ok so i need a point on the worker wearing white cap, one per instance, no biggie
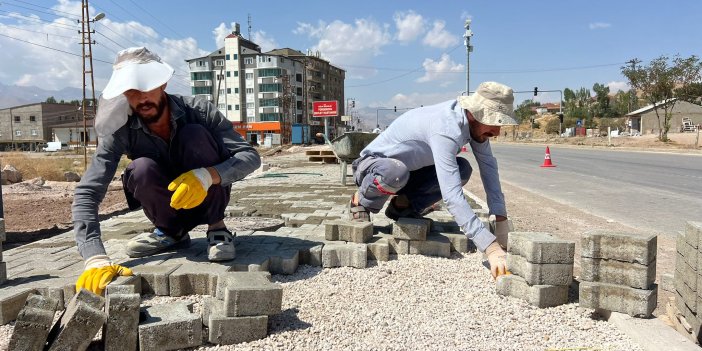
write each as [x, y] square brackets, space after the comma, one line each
[415, 162]
[185, 156]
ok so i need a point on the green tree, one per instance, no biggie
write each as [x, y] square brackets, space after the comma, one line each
[692, 93]
[51, 100]
[601, 106]
[524, 111]
[657, 81]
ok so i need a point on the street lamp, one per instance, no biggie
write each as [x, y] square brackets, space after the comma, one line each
[469, 49]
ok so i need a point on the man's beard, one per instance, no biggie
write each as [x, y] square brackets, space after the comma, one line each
[159, 111]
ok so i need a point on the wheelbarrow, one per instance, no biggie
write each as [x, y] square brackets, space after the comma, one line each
[348, 147]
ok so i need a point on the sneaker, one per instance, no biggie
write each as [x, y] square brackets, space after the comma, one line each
[220, 245]
[395, 213]
[147, 244]
[357, 213]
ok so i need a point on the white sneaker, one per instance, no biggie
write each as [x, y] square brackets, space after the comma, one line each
[221, 245]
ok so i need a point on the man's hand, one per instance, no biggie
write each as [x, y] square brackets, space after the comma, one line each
[497, 259]
[501, 230]
[99, 271]
[190, 188]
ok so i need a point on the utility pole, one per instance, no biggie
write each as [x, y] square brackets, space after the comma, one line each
[633, 62]
[87, 70]
[469, 49]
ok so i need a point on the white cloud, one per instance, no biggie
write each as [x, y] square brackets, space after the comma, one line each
[438, 37]
[353, 44]
[51, 69]
[263, 40]
[409, 26]
[614, 87]
[599, 25]
[443, 70]
[220, 32]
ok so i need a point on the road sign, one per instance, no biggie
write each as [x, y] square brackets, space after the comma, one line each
[579, 123]
[325, 109]
[346, 118]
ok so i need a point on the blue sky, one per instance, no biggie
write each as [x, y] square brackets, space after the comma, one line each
[396, 53]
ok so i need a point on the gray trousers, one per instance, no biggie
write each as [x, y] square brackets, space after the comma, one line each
[378, 178]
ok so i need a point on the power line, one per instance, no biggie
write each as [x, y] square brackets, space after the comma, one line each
[40, 20]
[156, 18]
[44, 12]
[48, 8]
[35, 31]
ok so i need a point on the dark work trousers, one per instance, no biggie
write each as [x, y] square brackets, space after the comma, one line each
[379, 178]
[146, 182]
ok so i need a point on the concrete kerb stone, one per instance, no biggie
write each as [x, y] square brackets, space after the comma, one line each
[628, 247]
[617, 272]
[169, 327]
[538, 295]
[33, 324]
[82, 319]
[120, 332]
[540, 273]
[538, 247]
[618, 298]
[249, 294]
[223, 330]
[411, 229]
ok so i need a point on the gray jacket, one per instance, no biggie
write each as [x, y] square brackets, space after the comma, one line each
[135, 140]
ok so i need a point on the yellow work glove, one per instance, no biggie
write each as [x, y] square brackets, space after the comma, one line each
[190, 188]
[99, 271]
[497, 259]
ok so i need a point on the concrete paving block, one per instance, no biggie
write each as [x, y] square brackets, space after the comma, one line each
[628, 247]
[355, 232]
[193, 278]
[667, 282]
[434, 246]
[312, 256]
[617, 272]
[11, 301]
[284, 261]
[225, 330]
[33, 324]
[344, 255]
[686, 250]
[80, 322]
[411, 229]
[154, 279]
[539, 247]
[459, 242]
[693, 233]
[249, 294]
[378, 249]
[250, 262]
[3, 271]
[688, 294]
[538, 295]
[396, 246]
[685, 273]
[125, 285]
[170, 326]
[331, 230]
[121, 330]
[540, 273]
[3, 236]
[618, 298]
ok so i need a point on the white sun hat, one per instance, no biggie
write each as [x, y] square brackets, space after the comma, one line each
[137, 68]
[492, 104]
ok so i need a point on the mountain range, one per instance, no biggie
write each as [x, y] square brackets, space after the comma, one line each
[13, 95]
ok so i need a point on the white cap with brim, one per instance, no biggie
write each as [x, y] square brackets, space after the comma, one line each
[137, 68]
[492, 104]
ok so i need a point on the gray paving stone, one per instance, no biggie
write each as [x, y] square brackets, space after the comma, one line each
[411, 229]
[194, 278]
[434, 246]
[688, 293]
[170, 326]
[540, 273]
[154, 279]
[617, 272]
[11, 301]
[3, 236]
[80, 322]
[539, 247]
[344, 255]
[311, 256]
[378, 249]
[538, 295]
[249, 294]
[355, 232]
[125, 285]
[686, 250]
[249, 262]
[693, 233]
[284, 261]
[225, 330]
[618, 298]
[685, 273]
[459, 242]
[33, 324]
[628, 247]
[121, 329]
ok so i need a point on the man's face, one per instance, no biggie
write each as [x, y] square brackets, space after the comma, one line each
[481, 132]
[149, 105]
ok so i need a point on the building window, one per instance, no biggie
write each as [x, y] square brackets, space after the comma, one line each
[229, 107]
[298, 77]
[249, 75]
[229, 74]
[17, 119]
[236, 90]
[236, 57]
[201, 63]
[229, 90]
[34, 132]
[249, 90]
[221, 106]
[32, 118]
[250, 105]
[219, 62]
[18, 133]
[201, 75]
[236, 73]
[236, 107]
[220, 76]
[270, 72]
[226, 56]
[251, 119]
[269, 88]
[248, 60]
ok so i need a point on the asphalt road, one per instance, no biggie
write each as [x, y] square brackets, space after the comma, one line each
[656, 192]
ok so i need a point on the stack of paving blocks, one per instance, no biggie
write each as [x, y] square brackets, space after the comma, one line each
[347, 246]
[3, 265]
[618, 271]
[687, 280]
[541, 266]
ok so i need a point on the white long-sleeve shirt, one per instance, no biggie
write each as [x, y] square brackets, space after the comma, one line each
[434, 135]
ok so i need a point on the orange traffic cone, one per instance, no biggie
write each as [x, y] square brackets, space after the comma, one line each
[547, 159]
